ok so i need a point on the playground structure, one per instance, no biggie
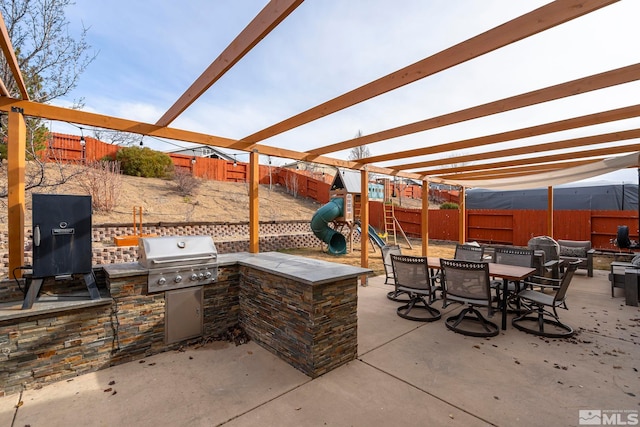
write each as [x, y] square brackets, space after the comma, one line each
[343, 210]
[132, 240]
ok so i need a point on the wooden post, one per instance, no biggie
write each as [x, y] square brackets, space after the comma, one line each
[17, 137]
[425, 218]
[364, 219]
[254, 223]
[550, 212]
[462, 233]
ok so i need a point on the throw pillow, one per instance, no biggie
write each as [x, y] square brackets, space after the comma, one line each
[573, 252]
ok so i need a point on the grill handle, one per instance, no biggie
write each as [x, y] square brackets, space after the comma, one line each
[36, 235]
[155, 261]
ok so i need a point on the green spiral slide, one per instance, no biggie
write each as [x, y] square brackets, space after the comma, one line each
[320, 226]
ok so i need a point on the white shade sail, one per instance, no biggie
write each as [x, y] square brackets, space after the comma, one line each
[550, 179]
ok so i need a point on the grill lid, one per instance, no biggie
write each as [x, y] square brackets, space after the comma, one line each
[169, 251]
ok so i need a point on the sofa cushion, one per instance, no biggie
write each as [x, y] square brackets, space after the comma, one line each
[572, 251]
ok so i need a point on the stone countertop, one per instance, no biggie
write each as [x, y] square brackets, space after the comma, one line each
[47, 304]
[305, 270]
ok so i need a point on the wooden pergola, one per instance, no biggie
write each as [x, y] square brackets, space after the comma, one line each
[532, 158]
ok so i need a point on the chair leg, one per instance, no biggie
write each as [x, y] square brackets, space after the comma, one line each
[399, 296]
[422, 310]
[560, 330]
[489, 329]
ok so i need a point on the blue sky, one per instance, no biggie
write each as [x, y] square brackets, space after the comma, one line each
[150, 51]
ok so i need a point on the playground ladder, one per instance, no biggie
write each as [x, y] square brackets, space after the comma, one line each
[389, 223]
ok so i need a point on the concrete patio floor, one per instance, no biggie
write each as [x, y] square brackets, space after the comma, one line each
[407, 373]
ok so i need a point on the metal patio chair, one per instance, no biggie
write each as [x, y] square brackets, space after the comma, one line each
[511, 256]
[387, 251]
[468, 283]
[468, 252]
[412, 277]
[541, 308]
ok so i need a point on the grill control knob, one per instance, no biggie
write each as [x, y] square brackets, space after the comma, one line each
[162, 281]
[178, 279]
[207, 275]
[200, 276]
[194, 277]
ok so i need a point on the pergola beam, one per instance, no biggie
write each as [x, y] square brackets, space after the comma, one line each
[536, 21]
[268, 18]
[543, 159]
[574, 87]
[107, 122]
[12, 61]
[515, 171]
[528, 149]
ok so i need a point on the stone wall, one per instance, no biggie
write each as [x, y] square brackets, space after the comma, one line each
[313, 328]
[128, 326]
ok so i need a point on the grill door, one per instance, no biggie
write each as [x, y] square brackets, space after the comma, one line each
[183, 314]
[61, 235]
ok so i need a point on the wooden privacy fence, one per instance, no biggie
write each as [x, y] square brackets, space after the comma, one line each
[513, 227]
[69, 149]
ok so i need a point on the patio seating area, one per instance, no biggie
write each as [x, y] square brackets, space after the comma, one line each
[406, 373]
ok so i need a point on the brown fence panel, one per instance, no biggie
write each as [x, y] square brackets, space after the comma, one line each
[490, 226]
[604, 227]
[236, 172]
[318, 190]
[409, 220]
[443, 224]
[571, 225]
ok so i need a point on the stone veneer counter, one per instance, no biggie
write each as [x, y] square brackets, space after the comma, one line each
[302, 310]
[305, 270]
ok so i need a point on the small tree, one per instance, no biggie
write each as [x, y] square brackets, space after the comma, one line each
[359, 152]
[292, 183]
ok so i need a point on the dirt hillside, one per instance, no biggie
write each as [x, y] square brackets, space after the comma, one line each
[162, 201]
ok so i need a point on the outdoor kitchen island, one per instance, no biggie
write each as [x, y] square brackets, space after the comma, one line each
[302, 310]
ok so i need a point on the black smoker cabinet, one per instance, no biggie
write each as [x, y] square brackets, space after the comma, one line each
[61, 229]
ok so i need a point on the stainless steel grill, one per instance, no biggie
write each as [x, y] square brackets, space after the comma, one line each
[176, 262]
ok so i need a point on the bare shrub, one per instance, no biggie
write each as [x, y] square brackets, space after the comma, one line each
[292, 183]
[186, 183]
[103, 182]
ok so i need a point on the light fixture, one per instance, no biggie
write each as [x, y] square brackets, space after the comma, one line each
[235, 161]
[82, 141]
[142, 141]
[193, 161]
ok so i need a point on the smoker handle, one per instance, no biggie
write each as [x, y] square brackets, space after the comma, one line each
[155, 261]
[36, 235]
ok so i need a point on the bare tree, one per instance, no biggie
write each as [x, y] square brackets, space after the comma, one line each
[50, 59]
[292, 183]
[116, 137]
[103, 182]
[359, 152]
[186, 183]
[51, 62]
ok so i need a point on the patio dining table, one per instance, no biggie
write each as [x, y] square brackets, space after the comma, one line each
[504, 271]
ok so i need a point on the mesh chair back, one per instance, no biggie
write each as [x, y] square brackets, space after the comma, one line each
[387, 250]
[469, 252]
[466, 280]
[566, 280]
[514, 256]
[546, 244]
[411, 272]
